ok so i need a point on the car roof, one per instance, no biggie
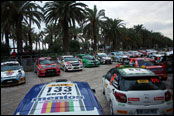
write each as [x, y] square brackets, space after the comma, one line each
[42, 58]
[134, 72]
[10, 62]
[101, 53]
[142, 59]
[67, 56]
[48, 98]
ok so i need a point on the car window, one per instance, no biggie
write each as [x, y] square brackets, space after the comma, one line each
[47, 61]
[9, 66]
[109, 74]
[146, 63]
[141, 83]
[70, 59]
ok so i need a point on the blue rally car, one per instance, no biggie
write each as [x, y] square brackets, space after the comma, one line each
[60, 98]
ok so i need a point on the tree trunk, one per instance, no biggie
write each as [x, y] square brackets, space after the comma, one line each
[7, 41]
[29, 36]
[19, 35]
[95, 39]
[65, 38]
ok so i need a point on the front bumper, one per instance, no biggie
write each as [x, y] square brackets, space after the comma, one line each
[12, 81]
[124, 109]
[73, 68]
[92, 64]
[49, 72]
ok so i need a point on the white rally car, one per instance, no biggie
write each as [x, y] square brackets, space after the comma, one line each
[60, 98]
[70, 63]
[136, 91]
[12, 73]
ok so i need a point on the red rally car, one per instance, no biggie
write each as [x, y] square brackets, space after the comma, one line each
[150, 64]
[46, 66]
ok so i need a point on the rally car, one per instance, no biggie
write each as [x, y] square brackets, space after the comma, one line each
[12, 73]
[103, 58]
[150, 64]
[136, 91]
[70, 63]
[90, 61]
[60, 98]
[46, 66]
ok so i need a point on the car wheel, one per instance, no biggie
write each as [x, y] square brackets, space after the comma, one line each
[111, 108]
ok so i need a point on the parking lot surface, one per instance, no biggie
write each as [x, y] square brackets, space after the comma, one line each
[12, 96]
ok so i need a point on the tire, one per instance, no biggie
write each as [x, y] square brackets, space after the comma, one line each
[111, 108]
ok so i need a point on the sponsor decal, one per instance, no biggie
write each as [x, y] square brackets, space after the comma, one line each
[58, 107]
[57, 98]
[52, 85]
[122, 111]
[159, 98]
[133, 99]
[121, 104]
[155, 80]
[10, 72]
[113, 78]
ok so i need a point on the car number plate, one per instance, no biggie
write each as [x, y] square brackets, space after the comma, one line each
[76, 67]
[9, 81]
[146, 111]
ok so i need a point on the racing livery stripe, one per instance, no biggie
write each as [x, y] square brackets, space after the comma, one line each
[44, 108]
[57, 107]
[35, 104]
[80, 101]
[48, 110]
[33, 109]
[71, 106]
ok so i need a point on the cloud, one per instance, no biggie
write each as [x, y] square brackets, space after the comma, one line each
[154, 15]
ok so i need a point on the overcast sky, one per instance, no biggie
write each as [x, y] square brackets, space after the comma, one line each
[156, 16]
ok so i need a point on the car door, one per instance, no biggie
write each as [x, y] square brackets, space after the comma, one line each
[107, 84]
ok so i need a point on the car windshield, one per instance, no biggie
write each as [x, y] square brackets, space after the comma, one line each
[102, 55]
[46, 61]
[146, 63]
[89, 57]
[7, 67]
[66, 59]
[141, 83]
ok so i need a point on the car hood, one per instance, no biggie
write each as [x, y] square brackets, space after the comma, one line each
[57, 98]
[10, 73]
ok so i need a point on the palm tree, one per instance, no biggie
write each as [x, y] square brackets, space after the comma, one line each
[18, 11]
[111, 29]
[7, 22]
[66, 13]
[33, 16]
[93, 20]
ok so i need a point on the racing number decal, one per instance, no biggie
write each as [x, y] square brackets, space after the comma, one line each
[59, 89]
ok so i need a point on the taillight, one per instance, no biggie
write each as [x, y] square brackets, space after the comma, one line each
[167, 96]
[121, 97]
